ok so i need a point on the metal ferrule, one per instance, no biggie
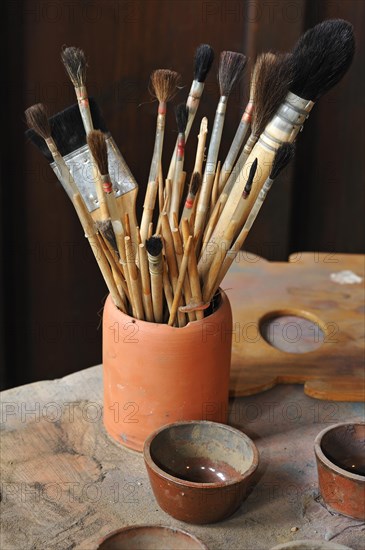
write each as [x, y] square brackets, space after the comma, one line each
[216, 135]
[287, 122]
[195, 94]
[80, 165]
[155, 264]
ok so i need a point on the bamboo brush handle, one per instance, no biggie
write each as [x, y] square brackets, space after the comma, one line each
[210, 284]
[84, 107]
[135, 287]
[233, 151]
[179, 251]
[193, 271]
[192, 103]
[146, 283]
[180, 281]
[90, 233]
[200, 151]
[171, 259]
[148, 208]
[283, 127]
[155, 266]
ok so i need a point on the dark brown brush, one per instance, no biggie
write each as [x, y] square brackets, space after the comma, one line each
[164, 84]
[154, 245]
[272, 74]
[282, 158]
[36, 117]
[247, 189]
[97, 145]
[181, 114]
[231, 65]
[75, 64]
[105, 227]
[195, 183]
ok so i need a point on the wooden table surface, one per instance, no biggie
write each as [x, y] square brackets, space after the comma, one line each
[65, 484]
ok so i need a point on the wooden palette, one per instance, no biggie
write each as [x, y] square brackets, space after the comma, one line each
[259, 289]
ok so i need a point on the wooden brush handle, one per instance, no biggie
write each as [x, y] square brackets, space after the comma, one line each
[135, 286]
[148, 208]
[233, 152]
[146, 283]
[180, 281]
[193, 271]
[179, 252]
[155, 265]
[283, 127]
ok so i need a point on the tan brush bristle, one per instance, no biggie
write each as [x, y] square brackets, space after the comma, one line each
[97, 145]
[75, 64]
[36, 117]
[164, 84]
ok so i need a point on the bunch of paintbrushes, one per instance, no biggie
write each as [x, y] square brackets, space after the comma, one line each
[168, 268]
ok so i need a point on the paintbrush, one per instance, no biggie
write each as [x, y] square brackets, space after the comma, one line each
[69, 135]
[181, 114]
[241, 132]
[194, 187]
[180, 282]
[210, 281]
[319, 60]
[163, 86]
[230, 71]
[75, 64]
[203, 60]
[283, 156]
[155, 264]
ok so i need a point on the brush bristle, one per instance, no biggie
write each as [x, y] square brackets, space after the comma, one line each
[321, 57]
[195, 184]
[164, 84]
[154, 245]
[37, 120]
[105, 227]
[283, 156]
[68, 130]
[203, 60]
[251, 175]
[99, 151]
[181, 113]
[273, 75]
[231, 65]
[75, 64]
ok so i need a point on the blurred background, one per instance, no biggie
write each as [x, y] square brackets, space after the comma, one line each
[52, 291]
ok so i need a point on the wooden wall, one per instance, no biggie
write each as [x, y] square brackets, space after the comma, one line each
[53, 292]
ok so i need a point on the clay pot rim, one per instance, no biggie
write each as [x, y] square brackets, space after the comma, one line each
[194, 484]
[328, 463]
[149, 526]
[189, 324]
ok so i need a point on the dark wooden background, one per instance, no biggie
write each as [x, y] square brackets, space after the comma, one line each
[52, 291]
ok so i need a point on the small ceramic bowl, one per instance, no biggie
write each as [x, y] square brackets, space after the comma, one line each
[340, 455]
[200, 471]
[150, 537]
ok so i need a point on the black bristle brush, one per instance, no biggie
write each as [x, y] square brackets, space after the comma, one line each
[194, 187]
[319, 60]
[155, 263]
[203, 60]
[231, 68]
[181, 113]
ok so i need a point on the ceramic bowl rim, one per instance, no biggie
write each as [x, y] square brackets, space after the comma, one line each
[194, 484]
[328, 463]
[149, 526]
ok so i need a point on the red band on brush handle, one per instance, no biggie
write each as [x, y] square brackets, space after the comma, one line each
[189, 202]
[247, 115]
[180, 148]
[107, 187]
[162, 108]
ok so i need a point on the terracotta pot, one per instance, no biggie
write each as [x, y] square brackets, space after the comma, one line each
[155, 374]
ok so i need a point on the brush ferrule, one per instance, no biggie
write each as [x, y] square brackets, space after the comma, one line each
[162, 107]
[155, 264]
[222, 105]
[247, 115]
[287, 121]
[180, 147]
[52, 147]
[265, 189]
[195, 94]
[81, 94]
[160, 125]
[107, 184]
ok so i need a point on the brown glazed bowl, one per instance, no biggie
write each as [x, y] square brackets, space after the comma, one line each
[200, 471]
[150, 537]
[340, 455]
